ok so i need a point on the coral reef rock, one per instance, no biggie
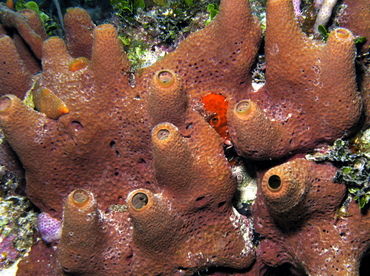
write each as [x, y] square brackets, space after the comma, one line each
[138, 166]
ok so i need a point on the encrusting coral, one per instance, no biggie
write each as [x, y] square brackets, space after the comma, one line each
[134, 164]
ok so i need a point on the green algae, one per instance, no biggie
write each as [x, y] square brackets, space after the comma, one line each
[49, 24]
[213, 11]
[353, 159]
[149, 33]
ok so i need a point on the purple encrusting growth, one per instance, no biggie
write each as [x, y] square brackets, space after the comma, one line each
[297, 7]
[50, 228]
[8, 253]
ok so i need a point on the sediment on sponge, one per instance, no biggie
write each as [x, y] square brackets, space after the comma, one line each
[167, 99]
[247, 121]
[81, 216]
[148, 235]
[285, 188]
